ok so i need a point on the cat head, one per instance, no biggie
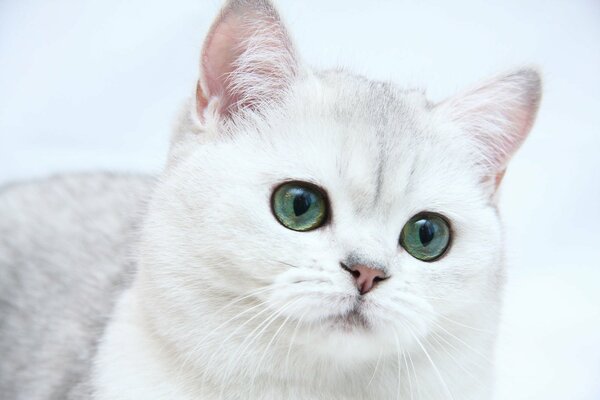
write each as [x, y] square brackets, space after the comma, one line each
[360, 213]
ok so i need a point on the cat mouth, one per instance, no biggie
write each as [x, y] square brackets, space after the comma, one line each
[350, 321]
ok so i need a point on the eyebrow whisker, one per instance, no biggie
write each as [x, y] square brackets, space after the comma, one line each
[288, 264]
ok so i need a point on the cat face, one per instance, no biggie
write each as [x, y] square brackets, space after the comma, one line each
[356, 161]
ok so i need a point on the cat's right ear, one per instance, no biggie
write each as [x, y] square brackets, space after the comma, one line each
[496, 116]
[247, 60]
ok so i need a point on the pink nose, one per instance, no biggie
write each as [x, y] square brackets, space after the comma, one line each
[365, 277]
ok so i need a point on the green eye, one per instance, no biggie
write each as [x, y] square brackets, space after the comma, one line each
[299, 206]
[426, 236]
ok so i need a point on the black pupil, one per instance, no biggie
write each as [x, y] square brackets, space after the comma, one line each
[302, 202]
[426, 232]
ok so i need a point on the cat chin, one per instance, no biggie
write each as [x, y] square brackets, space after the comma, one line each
[355, 338]
[345, 340]
[354, 321]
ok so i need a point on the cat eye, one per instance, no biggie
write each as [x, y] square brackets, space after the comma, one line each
[426, 236]
[299, 206]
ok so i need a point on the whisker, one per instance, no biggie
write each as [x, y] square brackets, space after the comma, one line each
[288, 264]
[399, 375]
[287, 357]
[202, 343]
[412, 364]
[435, 368]
[231, 335]
[440, 337]
[465, 326]
[269, 345]
[207, 336]
[463, 342]
[471, 374]
[408, 374]
[253, 335]
[449, 355]
[445, 299]
[376, 367]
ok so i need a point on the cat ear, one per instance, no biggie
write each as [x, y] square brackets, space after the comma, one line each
[497, 115]
[247, 59]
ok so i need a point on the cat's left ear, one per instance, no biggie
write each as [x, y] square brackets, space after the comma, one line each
[497, 116]
[248, 60]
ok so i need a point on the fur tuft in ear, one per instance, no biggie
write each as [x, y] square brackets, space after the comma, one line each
[247, 59]
[498, 115]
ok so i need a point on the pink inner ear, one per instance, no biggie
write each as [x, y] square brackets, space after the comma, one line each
[247, 59]
[499, 178]
[512, 117]
[220, 52]
[497, 116]
[201, 101]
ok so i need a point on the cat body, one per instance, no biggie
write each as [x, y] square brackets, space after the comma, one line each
[65, 256]
[231, 297]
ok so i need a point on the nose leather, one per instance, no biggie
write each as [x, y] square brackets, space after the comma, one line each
[365, 277]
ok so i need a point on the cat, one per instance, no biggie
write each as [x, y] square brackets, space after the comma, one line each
[314, 235]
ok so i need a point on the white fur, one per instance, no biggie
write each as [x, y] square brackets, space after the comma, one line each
[229, 304]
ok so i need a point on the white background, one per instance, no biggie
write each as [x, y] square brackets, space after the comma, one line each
[87, 85]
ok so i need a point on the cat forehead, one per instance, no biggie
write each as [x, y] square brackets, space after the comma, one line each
[343, 112]
[350, 99]
[352, 119]
[368, 138]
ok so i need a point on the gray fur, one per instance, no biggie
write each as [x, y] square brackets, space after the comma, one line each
[64, 246]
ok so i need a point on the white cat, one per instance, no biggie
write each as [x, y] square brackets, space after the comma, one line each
[315, 235]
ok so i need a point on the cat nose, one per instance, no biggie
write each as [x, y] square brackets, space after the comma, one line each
[365, 277]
